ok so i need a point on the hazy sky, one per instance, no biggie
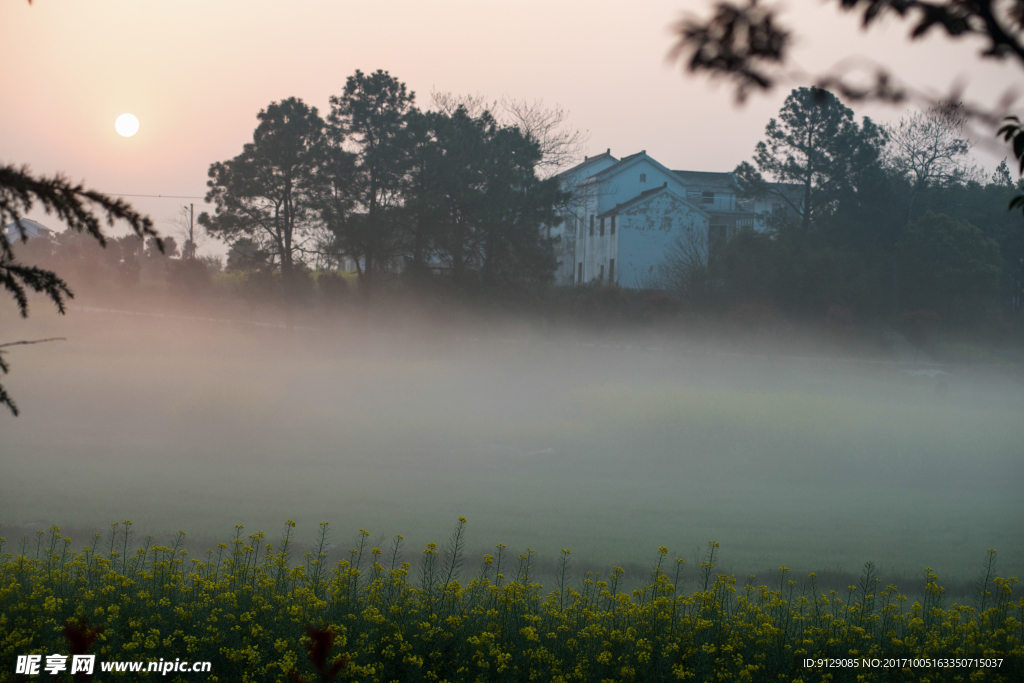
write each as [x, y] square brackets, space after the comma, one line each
[196, 73]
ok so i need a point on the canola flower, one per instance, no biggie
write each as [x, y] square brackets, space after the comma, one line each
[248, 608]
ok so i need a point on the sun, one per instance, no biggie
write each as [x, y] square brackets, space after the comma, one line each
[126, 125]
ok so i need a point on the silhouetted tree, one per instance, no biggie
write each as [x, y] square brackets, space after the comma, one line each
[81, 210]
[1001, 176]
[424, 210]
[371, 114]
[815, 144]
[493, 203]
[949, 266]
[746, 43]
[246, 256]
[267, 193]
[560, 144]
[928, 149]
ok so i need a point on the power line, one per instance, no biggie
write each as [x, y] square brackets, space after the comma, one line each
[160, 196]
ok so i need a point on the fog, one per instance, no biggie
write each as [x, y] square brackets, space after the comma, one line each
[608, 443]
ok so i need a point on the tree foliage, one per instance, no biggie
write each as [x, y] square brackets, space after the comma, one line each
[492, 202]
[392, 189]
[747, 44]
[949, 266]
[816, 145]
[372, 115]
[266, 194]
[83, 211]
[861, 257]
[928, 149]
[560, 144]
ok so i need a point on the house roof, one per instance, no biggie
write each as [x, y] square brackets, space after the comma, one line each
[586, 162]
[623, 162]
[792, 192]
[632, 159]
[794, 189]
[32, 229]
[649, 194]
[708, 179]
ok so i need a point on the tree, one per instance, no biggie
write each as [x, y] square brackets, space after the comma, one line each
[745, 43]
[984, 207]
[423, 214]
[461, 141]
[81, 210]
[687, 269]
[560, 145]
[1001, 176]
[268, 192]
[335, 198]
[949, 266]
[928, 149]
[817, 145]
[371, 114]
[246, 256]
[491, 202]
[517, 204]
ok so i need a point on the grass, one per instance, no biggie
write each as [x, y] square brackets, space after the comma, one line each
[252, 609]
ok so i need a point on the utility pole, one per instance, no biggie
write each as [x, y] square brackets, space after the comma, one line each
[191, 236]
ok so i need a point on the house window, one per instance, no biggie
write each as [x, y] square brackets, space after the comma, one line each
[643, 177]
[601, 276]
[579, 279]
[602, 227]
[614, 221]
[591, 225]
[611, 271]
[707, 197]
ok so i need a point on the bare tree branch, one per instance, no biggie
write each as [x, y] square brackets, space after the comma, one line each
[747, 45]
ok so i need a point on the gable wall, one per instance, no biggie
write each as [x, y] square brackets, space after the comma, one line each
[584, 204]
[625, 184]
[645, 234]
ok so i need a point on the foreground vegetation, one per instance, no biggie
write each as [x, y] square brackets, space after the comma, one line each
[248, 608]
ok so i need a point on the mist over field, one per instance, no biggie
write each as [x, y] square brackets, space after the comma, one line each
[606, 443]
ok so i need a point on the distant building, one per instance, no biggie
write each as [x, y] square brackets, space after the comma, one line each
[624, 214]
[32, 230]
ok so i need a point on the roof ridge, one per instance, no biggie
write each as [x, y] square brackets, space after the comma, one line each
[646, 193]
[588, 160]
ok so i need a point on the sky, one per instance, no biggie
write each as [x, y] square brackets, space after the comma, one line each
[196, 73]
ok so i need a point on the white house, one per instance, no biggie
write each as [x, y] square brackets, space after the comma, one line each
[624, 214]
[32, 230]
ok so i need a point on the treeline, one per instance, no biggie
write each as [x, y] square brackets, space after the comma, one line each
[381, 187]
[123, 264]
[868, 223]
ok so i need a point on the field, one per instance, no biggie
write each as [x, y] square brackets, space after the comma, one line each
[610, 446]
[247, 611]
